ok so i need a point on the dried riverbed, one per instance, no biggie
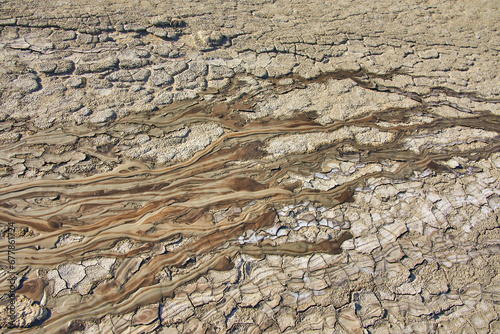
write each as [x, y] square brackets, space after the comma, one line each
[250, 168]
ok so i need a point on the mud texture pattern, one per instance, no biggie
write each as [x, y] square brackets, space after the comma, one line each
[250, 166]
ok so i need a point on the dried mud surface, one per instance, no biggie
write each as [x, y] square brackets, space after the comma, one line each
[250, 166]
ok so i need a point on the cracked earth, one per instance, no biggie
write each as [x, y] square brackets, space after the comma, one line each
[250, 166]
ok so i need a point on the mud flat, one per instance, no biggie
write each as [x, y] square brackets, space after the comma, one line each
[249, 167]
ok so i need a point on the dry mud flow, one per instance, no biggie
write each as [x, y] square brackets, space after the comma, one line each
[250, 166]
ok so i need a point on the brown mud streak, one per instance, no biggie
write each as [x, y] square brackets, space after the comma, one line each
[297, 248]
